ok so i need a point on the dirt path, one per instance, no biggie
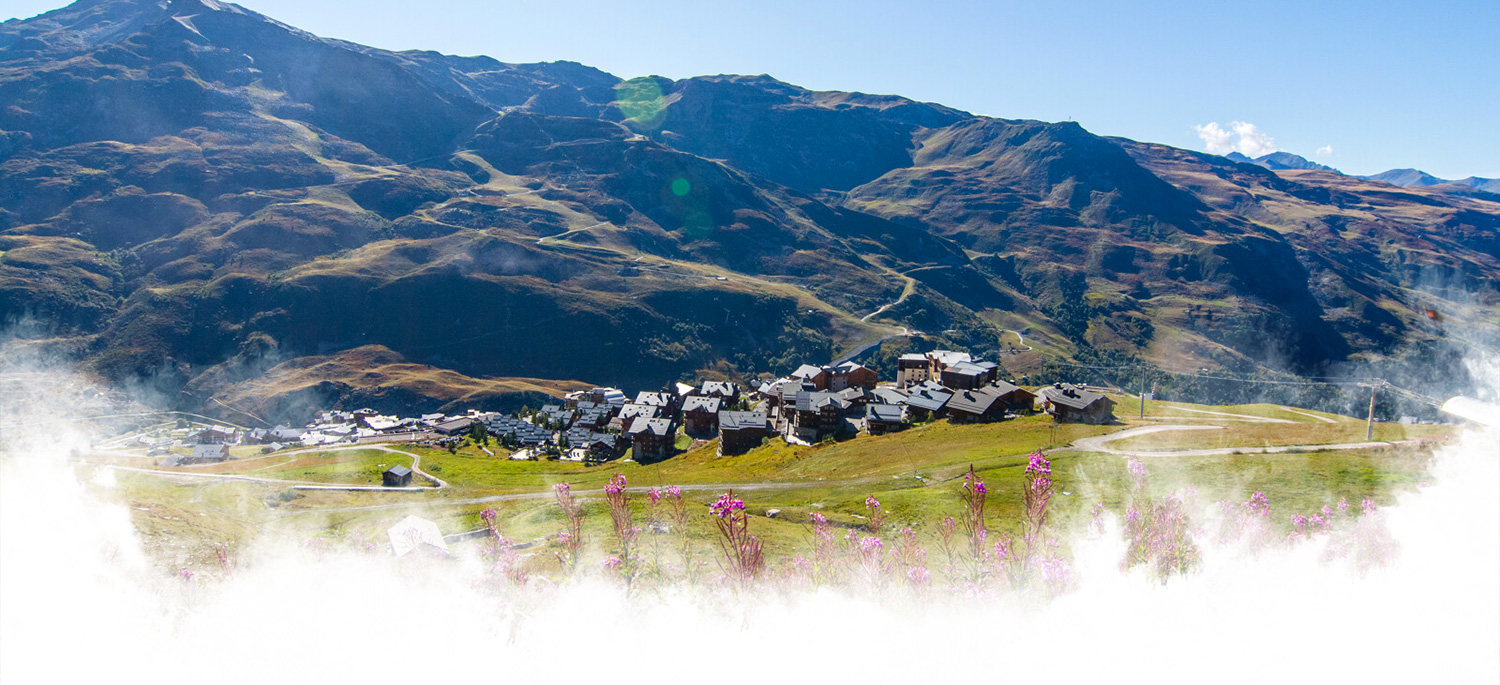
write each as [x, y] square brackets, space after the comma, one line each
[416, 467]
[1098, 444]
[1233, 417]
[1324, 419]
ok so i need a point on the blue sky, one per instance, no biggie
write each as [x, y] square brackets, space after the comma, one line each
[1372, 85]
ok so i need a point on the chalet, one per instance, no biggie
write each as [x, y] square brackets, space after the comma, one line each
[818, 415]
[1072, 404]
[857, 397]
[741, 431]
[700, 415]
[817, 375]
[256, 436]
[667, 403]
[287, 434]
[603, 447]
[912, 369]
[887, 395]
[213, 435]
[983, 404]
[557, 415]
[968, 375]
[724, 390]
[851, 375]
[927, 401]
[652, 439]
[883, 418]
[380, 424]
[1017, 400]
[630, 413]
[202, 454]
[396, 477]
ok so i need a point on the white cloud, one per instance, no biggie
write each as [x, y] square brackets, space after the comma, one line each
[1325, 151]
[1241, 137]
[1215, 139]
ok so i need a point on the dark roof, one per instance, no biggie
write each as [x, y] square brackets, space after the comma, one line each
[210, 452]
[974, 401]
[399, 471]
[454, 425]
[930, 400]
[710, 404]
[888, 395]
[741, 420]
[652, 426]
[883, 412]
[1071, 396]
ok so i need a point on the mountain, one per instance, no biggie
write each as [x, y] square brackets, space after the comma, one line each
[1281, 161]
[203, 202]
[1407, 178]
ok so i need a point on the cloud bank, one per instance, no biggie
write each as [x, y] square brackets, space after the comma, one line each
[1241, 137]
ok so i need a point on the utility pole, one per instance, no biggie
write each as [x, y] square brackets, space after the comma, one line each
[1370, 422]
[1143, 392]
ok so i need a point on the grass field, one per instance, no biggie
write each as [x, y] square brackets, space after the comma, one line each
[913, 473]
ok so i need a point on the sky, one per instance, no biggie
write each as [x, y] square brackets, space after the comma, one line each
[1360, 86]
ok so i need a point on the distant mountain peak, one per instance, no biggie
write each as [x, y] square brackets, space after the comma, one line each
[1279, 161]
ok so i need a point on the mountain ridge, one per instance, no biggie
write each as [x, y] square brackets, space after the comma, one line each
[253, 194]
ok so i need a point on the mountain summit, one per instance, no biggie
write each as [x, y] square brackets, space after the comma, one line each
[192, 194]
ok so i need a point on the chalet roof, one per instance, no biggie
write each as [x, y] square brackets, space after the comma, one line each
[929, 400]
[854, 393]
[683, 389]
[974, 401]
[639, 410]
[719, 388]
[889, 413]
[651, 427]
[741, 420]
[888, 395]
[967, 369]
[655, 399]
[708, 404]
[807, 371]
[210, 452]
[848, 367]
[399, 471]
[949, 357]
[914, 357]
[1071, 396]
[815, 401]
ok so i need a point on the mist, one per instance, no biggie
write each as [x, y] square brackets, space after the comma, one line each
[80, 600]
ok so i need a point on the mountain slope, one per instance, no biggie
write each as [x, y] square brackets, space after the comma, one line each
[193, 195]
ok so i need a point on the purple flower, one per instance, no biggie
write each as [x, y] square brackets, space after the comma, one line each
[918, 574]
[726, 506]
[562, 487]
[819, 518]
[654, 495]
[1039, 464]
[872, 503]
